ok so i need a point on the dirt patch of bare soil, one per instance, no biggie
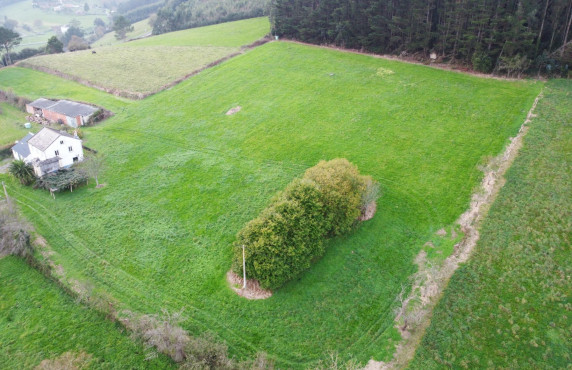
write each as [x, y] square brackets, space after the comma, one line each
[368, 212]
[414, 314]
[234, 110]
[252, 290]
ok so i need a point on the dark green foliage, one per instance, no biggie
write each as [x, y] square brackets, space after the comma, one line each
[288, 236]
[285, 238]
[72, 31]
[179, 14]
[62, 180]
[8, 39]
[341, 187]
[22, 171]
[22, 54]
[26, 53]
[482, 62]
[509, 307]
[513, 66]
[54, 46]
[98, 22]
[121, 26]
[453, 29]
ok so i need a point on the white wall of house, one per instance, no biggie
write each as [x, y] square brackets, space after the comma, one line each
[37, 153]
[67, 148]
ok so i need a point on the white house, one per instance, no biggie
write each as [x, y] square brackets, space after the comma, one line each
[48, 150]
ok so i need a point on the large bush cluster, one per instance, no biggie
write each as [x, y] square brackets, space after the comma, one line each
[289, 234]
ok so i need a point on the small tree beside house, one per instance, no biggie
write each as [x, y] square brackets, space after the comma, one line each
[92, 165]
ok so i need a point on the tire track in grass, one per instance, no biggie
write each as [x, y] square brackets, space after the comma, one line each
[431, 213]
[207, 322]
[210, 151]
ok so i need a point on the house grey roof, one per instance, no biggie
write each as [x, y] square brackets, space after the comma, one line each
[72, 109]
[22, 147]
[42, 103]
[43, 139]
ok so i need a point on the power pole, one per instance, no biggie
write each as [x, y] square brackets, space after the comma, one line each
[7, 198]
[243, 269]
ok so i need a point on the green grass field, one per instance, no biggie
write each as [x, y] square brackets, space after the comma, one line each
[39, 321]
[156, 61]
[182, 178]
[51, 87]
[11, 124]
[139, 29]
[509, 307]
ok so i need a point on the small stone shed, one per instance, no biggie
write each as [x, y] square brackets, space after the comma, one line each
[71, 113]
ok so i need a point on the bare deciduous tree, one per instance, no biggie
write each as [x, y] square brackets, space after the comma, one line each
[93, 165]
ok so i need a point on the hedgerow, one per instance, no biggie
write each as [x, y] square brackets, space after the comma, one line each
[289, 234]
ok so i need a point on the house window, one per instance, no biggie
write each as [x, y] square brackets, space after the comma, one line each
[61, 141]
[70, 148]
[57, 152]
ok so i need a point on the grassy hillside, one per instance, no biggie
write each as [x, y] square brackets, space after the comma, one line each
[38, 321]
[509, 307]
[140, 29]
[155, 62]
[182, 178]
[11, 124]
[33, 85]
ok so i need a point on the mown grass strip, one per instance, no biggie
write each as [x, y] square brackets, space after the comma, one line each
[510, 305]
